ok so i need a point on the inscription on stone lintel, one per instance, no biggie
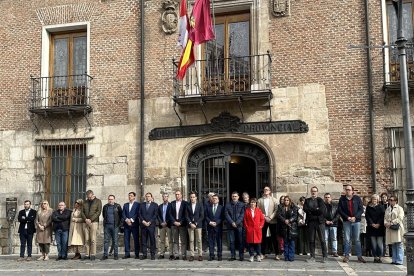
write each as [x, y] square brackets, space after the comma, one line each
[226, 123]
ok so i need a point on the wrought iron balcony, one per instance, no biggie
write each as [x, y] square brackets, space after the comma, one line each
[60, 94]
[392, 77]
[219, 79]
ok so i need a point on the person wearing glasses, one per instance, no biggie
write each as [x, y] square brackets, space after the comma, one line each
[350, 208]
[44, 230]
[331, 224]
[234, 214]
[288, 215]
[178, 226]
[394, 230]
[268, 205]
[315, 219]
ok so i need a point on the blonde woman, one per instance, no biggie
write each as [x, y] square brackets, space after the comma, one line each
[76, 236]
[43, 224]
[394, 230]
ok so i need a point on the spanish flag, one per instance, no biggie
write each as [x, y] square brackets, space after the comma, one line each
[187, 58]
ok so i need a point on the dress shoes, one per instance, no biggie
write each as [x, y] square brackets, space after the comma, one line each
[116, 257]
[126, 257]
[93, 258]
[171, 257]
[219, 258]
[176, 258]
[104, 258]
[200, 258]
[152, 258]
[160, 257]
[143, 257]
[191, 258]
[211, 258]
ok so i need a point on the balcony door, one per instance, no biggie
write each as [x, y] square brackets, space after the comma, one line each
[227, 58]
[68, 66]
[394, 64]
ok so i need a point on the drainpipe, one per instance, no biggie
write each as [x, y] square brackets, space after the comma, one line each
[142, 88]
[370, 100]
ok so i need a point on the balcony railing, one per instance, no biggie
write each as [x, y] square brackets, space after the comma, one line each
[60, 93]
[248, 76]
[392, 77]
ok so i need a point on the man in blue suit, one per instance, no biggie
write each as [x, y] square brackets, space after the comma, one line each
[147, 218]
[179, 226]
[234, 214]
[195, 217]
[214, 217]
[164, 225]
[130, 218]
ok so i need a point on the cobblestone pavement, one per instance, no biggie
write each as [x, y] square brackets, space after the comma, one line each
[334, 266]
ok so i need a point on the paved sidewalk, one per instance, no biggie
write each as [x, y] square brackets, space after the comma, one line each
[334, 266]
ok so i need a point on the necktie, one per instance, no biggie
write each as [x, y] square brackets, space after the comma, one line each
[148, 205]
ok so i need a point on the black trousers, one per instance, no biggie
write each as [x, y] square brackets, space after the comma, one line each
[26, 238]
[148, 233]
[269, 243]
[314, 227]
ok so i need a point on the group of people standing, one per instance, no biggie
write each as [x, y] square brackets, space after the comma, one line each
[256, 226]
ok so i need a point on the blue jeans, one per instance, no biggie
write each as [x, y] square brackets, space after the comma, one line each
[331, 236]
[233, 235]
[289, 249]
[397, 253]
[62, 242]
[26, 238]
[352, 230]
[377, 244]
[110, 233]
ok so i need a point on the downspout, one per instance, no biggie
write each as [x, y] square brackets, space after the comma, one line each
[370, 99]
[142, 98]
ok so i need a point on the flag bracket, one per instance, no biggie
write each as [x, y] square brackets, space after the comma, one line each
[176, 113]
[202, 103]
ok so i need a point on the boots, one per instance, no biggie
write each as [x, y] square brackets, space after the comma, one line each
[77, 256]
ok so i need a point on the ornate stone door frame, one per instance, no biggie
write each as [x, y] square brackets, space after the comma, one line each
[224, 146]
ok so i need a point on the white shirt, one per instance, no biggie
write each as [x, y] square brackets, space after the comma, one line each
[130, 206]
[177, 207]
[252, 212]
[27, 214]
[193, 205]
[266, 206]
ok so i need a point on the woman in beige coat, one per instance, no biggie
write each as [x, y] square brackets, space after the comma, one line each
[43, 224]
[395, 215]
[76, 236]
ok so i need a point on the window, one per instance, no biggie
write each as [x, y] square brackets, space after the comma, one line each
[392, 25]
[62, 170]
[397, 167]
[68, 68]
[227, 59]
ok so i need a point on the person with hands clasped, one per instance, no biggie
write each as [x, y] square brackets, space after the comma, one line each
[394, 230]
[350, 208]
[253, 222]
[234, 214]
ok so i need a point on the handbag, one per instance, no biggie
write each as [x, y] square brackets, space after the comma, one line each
[395, 226]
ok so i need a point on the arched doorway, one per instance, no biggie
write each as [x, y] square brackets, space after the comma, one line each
[228, 166]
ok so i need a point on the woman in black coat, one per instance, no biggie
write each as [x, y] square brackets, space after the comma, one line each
[288, 218]
[374, 215]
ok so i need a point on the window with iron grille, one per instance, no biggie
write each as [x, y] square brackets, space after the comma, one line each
[396, 157]
[62, 169]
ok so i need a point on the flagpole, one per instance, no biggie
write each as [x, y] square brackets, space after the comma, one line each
[215, 43]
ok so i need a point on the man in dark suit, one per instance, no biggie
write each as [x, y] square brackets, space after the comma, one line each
[234, 214]
[130, 218]
[164, 225]
[27, 229]
[179, 226]
[148, 218]
[214, 217]
[195, 217]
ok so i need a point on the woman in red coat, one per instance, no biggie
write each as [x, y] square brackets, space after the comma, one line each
[253, 223]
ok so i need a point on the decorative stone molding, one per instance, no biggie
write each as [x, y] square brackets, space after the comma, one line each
[169, 17]
[280, 8]
[66, 14]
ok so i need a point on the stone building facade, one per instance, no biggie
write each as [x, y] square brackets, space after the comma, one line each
[70, 90]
